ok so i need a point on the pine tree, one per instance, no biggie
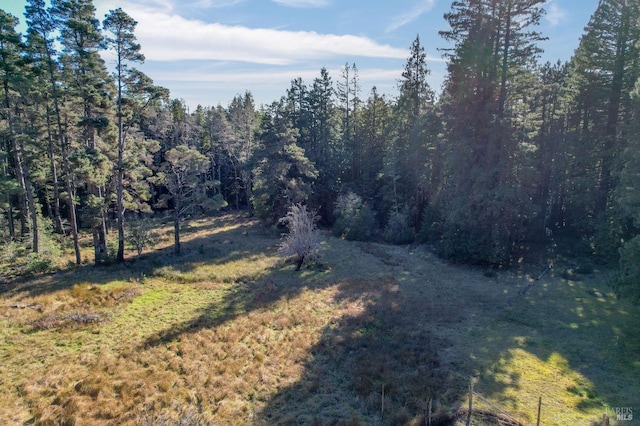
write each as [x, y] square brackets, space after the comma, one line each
[283, 173]
[408, 156]
[485, 202]
[12, 61]
[243, 122]
[416, 97]
[181, 174]
[348, 92]
[89, 83]
[139, 92]
[376, 129]
[602, 75]
[41, 29]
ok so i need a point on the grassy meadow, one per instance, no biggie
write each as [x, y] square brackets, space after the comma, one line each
[228, 333]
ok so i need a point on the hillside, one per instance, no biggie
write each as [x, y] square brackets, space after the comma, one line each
[229, 333]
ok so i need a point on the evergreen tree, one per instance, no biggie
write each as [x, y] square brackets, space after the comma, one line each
[243, 122]
[376, 129]
[135, 92]
[348, 92]
[283, 174]
[485, 203]
[12, 61]
[408, 157]
[89, 141]
[602, 75]
[41, 29]
[181, 174]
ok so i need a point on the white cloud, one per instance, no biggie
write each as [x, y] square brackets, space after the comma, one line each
[166, 37]
[555, 15]
[302, 3]
[411, 15]
[269, 78]
[211, 4]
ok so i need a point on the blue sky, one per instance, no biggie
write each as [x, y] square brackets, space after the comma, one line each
[207, 51]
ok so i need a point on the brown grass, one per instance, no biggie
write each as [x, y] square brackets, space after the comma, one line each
[230, 334]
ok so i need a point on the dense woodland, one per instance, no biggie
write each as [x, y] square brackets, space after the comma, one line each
[513, 157]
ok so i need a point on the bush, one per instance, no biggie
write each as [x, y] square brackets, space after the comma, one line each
[302, 240]
[17, 259]
[140, 235]
[355, 221]
[627, 281]
[398, 230]
[431, 229]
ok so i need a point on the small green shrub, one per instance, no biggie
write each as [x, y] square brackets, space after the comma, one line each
[38, 264]
[140, 235]
[431, 228]
[17, 259]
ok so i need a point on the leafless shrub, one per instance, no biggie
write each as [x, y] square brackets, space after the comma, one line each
[302, 240]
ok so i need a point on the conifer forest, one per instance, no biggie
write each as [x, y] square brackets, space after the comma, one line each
[512, 156]
[392, 203]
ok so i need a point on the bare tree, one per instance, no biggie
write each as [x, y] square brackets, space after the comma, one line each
[302, 240]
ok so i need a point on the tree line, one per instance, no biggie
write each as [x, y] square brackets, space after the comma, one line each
[511, 156]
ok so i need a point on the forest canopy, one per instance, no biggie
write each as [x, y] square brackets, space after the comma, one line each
[512, 158]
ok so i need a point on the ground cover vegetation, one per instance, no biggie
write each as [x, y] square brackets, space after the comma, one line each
[514, 166]
[370, 333]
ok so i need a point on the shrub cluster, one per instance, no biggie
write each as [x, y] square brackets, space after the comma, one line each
[355, 220]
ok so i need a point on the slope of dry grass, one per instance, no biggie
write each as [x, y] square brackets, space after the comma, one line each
[229, 333]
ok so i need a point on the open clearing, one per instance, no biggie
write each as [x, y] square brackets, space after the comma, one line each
[229, 333]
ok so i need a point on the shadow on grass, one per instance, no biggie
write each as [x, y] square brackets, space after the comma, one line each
[421, 338]
[415, 335]
[572, 343]
[379, 362]
[213, 247]
[412, 331]
[376, 365]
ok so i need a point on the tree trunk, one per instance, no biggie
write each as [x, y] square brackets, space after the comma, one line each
[57, 218]
[613, 112]
[12, 228]
[299, 263]
[72, 207]
[17, 166]
[176, 231]
[65, 163]
[22, 174]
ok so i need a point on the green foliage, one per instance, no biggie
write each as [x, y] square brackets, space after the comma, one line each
[18, 259]
[140, 235]
[355, 220]
[398, 229]
[627, 281]
[509, 150]
[477, 248]
[431, 228]
[283, 173]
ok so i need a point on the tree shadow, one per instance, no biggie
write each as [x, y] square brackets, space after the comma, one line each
[378, 364]
[412, 331]
[419, 339]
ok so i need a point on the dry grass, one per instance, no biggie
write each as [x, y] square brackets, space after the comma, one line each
[231, 334]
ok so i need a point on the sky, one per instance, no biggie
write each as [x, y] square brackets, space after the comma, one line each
[208, 51]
